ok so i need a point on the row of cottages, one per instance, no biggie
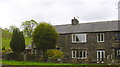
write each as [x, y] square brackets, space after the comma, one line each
[96, 42]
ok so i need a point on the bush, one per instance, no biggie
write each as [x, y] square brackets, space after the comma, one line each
[54, 55]
[14, 56]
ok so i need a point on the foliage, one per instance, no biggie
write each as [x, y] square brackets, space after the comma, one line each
[14, 56]
[6, 29]
[28, 27]
[53, 53]
[45, 37]
[6, 41]
[28, 40]
[17, 42]
[6, 36]
[11, 28]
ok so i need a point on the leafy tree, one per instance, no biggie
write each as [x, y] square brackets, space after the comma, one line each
[45, 37]
[28, 27]
[17, 42]
[11, 28]
[6, 29]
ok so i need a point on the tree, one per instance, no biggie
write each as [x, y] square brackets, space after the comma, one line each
[11, 28]
[28, 27]
[17, 43]
[6, 29]
[45, 37]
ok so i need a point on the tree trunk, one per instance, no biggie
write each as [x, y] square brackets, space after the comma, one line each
[45, 58]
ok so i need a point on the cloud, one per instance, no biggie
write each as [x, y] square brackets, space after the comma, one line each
[56, 11]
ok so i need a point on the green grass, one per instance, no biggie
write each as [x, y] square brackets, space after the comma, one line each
[6, 62]
[6, 42]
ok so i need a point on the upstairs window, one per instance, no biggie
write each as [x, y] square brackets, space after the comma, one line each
[79, 38]
[100, 37]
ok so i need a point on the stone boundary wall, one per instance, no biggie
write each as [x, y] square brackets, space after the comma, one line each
[60, 66]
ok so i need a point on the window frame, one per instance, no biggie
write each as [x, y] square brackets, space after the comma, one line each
[117, 52]
[80, 56]
[83, 41]
[101, 56]
[100, 37]
[73, 56]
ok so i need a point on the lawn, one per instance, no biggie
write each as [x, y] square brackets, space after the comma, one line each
[6, 62]
[6, 42]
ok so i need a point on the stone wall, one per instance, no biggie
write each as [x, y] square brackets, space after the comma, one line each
[91, 46]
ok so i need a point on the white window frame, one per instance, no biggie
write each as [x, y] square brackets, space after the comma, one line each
[74, 39]
[83, 54]
[118, 52]
[100, 37]
[73, 54]
[101, 57]
[83, 57]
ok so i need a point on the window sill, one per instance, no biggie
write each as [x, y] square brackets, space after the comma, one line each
[79, 42]
[100, 41]
[79, 58]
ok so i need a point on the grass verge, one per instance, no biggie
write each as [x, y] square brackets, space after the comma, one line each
[6, 62]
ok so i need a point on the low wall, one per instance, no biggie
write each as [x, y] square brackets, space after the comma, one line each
[60, 66]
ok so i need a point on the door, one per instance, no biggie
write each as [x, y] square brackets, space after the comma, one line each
[100, 56]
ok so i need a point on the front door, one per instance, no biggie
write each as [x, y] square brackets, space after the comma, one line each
[100, 56]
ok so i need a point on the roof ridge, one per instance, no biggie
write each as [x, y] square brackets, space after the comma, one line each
[89, 22]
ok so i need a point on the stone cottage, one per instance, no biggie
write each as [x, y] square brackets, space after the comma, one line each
[93, 42]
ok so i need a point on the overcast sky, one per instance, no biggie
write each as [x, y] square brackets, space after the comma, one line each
[56, 12]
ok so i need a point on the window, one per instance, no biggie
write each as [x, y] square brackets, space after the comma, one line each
[117, 52]
[79, 38]
[73, 54]
[117, 37]
[100, 37]
[80, 54]
[100, 56]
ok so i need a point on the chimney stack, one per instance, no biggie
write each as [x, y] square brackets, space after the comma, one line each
[75, 21]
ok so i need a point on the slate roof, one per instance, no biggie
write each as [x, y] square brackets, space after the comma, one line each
[100, 26]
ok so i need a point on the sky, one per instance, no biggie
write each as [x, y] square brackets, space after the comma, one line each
[56, 12]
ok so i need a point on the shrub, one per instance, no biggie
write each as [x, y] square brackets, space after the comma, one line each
[14, 56]
[55, 54]
[17, 42]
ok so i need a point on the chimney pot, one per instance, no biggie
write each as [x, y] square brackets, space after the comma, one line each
[74, 21]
